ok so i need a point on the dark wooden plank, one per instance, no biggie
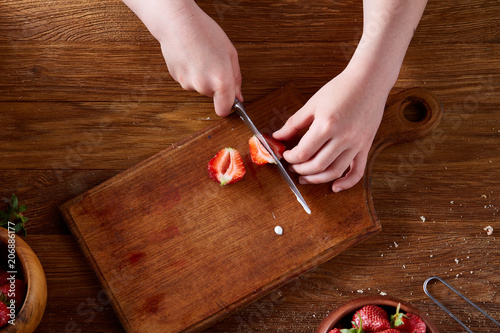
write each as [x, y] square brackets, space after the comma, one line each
[137, 73]
[44, 190]
[77, 135]
[75, 302]
[257, 21]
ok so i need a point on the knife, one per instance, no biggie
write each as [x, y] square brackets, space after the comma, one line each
[240, 110]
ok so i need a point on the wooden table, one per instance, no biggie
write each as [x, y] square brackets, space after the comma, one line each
[85, 94]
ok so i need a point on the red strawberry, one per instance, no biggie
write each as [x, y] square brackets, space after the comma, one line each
[4, 314]
[416, 325]
[355, 329]
[226, 167]
[260, 155]
[409, 323]
[15, 293]
[373, 318]
[390, 330]
[3, 277]
[399, 320]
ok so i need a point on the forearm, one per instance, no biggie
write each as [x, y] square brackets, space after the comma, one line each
[388, 27]
[158, 15]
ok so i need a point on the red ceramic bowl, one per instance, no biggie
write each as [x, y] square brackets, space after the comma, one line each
[343, 314]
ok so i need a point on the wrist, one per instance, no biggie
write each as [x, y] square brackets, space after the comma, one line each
[160, 17]
[374, 70]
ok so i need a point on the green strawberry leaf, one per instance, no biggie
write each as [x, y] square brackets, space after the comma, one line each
[14, 214]
[13, 202]
[397, 318]
[18, 227]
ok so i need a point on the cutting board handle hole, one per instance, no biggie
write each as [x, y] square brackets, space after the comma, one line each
[415, 110]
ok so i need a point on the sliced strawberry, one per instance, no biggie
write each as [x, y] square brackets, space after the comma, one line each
[260, 155]
[226, 167]
[390, 330]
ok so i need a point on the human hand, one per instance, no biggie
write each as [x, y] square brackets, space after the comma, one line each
[342, 119]
[200, 57]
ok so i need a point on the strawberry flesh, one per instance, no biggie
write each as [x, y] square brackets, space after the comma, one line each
[226, 167]
[258, 152]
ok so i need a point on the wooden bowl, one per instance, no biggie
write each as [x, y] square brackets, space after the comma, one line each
[343, 314]
[31, 312]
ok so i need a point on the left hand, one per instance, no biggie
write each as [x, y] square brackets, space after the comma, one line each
[342, 119]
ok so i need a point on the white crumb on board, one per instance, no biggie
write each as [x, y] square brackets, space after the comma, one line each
[278, 230]
[383, 294]
[422, 218]
[489, 230]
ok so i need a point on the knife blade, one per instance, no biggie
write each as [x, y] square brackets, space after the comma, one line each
[240, 110]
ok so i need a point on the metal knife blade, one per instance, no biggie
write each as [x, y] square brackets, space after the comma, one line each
[240, 110]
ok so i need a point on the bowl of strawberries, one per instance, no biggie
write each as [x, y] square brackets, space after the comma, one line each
[23, 287]
[376, 314]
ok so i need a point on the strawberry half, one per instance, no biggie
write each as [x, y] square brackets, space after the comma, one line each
[373, 319]
[226, 167]
[260, 155]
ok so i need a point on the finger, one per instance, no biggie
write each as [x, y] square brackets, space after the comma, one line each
[224, 94]
[353, 176]
[237, 76]
[314, 139]
[301, 119]
[332, 172]
[321, 161]
[223, 102]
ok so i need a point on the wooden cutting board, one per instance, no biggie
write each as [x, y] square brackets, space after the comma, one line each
[178, 252]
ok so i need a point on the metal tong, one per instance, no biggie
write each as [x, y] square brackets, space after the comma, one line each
[459, 294]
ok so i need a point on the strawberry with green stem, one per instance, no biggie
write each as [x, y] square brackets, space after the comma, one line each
[356, 328]
[372, 318]
[399, 320]
[409, 322]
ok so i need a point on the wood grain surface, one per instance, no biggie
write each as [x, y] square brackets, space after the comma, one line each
[85, 94]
